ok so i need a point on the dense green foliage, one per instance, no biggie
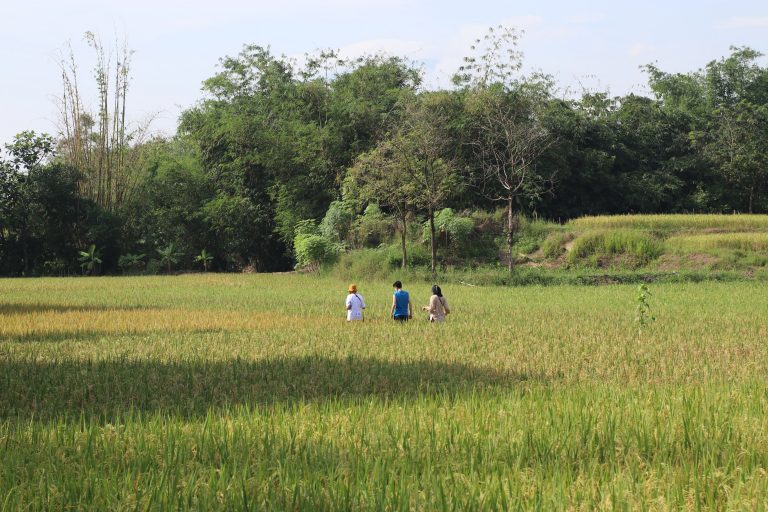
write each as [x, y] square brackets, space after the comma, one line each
[363, 150]
[235, 392]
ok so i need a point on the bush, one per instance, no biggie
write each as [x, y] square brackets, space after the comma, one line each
[454, 231]
[131, 263]
[314, 250]
[532, 234]
[338, 220]
[373, 228]
[363, 264]
[382, 262]
[56, 267]
[418, 255]
[153, 267]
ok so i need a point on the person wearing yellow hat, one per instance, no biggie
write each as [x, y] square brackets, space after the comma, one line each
[354, 304]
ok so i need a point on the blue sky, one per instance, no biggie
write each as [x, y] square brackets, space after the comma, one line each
[596, 44]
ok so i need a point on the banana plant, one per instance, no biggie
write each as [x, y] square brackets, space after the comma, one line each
[205, 258]
[90, 259]
[169, 256]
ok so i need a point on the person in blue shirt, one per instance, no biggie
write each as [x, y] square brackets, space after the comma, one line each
[401, 304]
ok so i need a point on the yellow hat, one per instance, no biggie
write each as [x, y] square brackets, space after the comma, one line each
[353, 288]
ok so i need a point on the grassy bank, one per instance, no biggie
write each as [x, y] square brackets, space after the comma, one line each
[590, 250]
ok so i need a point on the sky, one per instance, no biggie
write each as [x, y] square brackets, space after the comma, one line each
[598, 45]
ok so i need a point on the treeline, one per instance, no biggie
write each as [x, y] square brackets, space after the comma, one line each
[282, 165]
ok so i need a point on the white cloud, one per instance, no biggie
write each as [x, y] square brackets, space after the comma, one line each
[737, 22]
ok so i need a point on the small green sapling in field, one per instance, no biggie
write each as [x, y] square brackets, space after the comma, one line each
[644, 316]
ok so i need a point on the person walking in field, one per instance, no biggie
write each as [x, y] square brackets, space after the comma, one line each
[401, 304]
[438, 305]
[354, 304]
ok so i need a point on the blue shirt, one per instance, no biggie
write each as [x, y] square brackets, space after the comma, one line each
[401, 303]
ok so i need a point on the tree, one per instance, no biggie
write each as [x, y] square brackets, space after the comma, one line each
[382, 177]
[424, 149]
[737, 143]
[494, 59]
[506, 135]
[724, 105]
[168, 202]
[28, 152]
[507, 140]
[131, 262]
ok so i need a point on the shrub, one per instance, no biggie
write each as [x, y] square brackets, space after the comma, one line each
[382, 262]
[455, 232]
[55, 267]
[373, 227]
[531, 234]
[130, 263]
[314, 250]
[153, 267]
[338, 220]
[418, 255]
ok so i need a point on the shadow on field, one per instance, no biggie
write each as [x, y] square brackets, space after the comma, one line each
[108, 389]
[27, 308]
[90, 335]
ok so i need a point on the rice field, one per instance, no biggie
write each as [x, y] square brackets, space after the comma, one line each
[750, 241]
[251, 392]
[674, 222]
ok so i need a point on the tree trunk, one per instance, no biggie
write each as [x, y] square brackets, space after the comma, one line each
[402, 241]
[510, 233]
[433, 241]
[751, 198]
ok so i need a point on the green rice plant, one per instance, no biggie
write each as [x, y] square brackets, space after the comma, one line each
[640, 245]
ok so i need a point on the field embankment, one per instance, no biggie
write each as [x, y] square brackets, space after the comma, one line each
[592, 250]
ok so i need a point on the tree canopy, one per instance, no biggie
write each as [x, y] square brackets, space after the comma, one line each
[364, 152]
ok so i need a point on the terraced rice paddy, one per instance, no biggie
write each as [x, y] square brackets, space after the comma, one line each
[251, 392]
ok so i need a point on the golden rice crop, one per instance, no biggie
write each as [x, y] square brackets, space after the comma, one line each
[674, 222]
[243, 392]
[713, 241]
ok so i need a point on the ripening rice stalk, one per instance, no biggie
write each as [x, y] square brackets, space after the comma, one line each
[673, 222]
[251, 392]
[714, 241]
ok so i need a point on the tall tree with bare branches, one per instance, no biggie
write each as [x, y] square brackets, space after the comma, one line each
[506, 135]
[507, 141]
